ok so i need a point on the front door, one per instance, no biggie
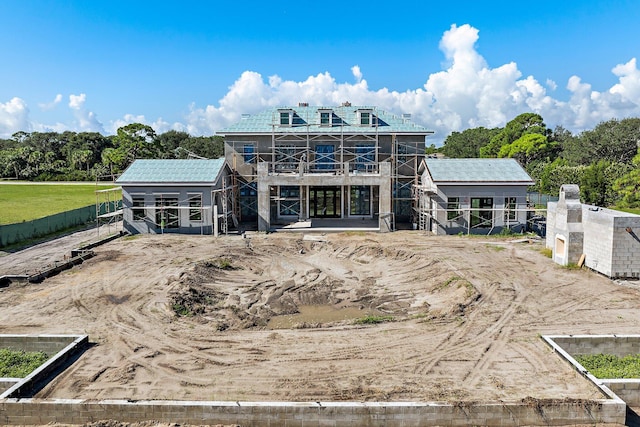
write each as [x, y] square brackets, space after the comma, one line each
[324, 202]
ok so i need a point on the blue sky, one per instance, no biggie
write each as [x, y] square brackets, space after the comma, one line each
[197, 66]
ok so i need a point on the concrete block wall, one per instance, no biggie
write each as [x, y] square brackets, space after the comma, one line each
[607, 245]
[61, 350]
[626, 389]
[281, 414]
[6, 384]
[50, 344]
[598, 239]
[580, 345]
[626, 247]
[572, 346]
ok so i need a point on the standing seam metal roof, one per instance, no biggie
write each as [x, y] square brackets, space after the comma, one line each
[172, 171]
[477, 170]
[307, 119]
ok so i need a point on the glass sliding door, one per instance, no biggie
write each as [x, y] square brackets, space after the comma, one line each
[324, 202]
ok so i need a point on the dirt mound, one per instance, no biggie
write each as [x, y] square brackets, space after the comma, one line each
[246, 289]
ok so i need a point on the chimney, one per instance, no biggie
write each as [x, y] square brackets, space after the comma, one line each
[303, 104]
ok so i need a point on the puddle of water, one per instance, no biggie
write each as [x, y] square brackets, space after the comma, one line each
[318, 314]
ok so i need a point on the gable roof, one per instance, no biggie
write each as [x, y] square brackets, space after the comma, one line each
[477, 171]
[306, 119]
[174, 171]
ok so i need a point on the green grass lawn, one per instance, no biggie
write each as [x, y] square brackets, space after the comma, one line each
[629, 210]
[24, 202]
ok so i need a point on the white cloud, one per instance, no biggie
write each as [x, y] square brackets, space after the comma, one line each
[51, 105]
[85, 121]
[76, 102]
[14, 117]
[159, 125]
[356, 73]
[467, 92]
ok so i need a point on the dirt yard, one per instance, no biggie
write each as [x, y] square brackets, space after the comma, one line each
[293, 317]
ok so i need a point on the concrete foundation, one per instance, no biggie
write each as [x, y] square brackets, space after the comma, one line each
[354, 414]
[61, 349]
[571, 346]
[15, 409]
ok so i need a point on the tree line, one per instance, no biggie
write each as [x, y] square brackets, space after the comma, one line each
[604, 161]
[88, 156]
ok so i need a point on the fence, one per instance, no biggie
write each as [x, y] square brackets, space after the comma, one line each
[19, 232]
[538, 199]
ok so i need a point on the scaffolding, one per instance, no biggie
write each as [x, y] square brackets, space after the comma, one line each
[430, 216]
[298, 152]
[108, 208]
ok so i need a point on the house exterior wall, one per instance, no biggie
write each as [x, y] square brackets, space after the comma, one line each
[293, 159]
[441, 224]
[183, 194]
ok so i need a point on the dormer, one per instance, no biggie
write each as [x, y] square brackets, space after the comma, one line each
[325, 116]
[285, 116]
[365, 117]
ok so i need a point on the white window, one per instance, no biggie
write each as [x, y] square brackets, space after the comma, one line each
[365, 118]
[326, 117]
[285, 117]
[510, 211]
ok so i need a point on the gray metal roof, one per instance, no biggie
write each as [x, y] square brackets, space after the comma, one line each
[307, 119]
[473, 171]
[172, 171]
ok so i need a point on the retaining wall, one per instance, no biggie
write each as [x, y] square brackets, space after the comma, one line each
[17, 408]
[62, 350]
[291, 414]
[569, 346]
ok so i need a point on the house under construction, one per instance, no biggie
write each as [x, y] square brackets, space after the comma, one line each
[190, 196]
[333, 164]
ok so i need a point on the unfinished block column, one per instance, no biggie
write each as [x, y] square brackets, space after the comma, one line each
[569, 233]
[384, 220]
[264, 214]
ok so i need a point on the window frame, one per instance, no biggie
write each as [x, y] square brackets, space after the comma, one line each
[510, 209]
[195, 212]
[248, 156]
[289, 203]
[368, 120]
[135, 208]
[453, 208]
[285, 117]
[482, 215]
[326, 118]
[165, 212]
